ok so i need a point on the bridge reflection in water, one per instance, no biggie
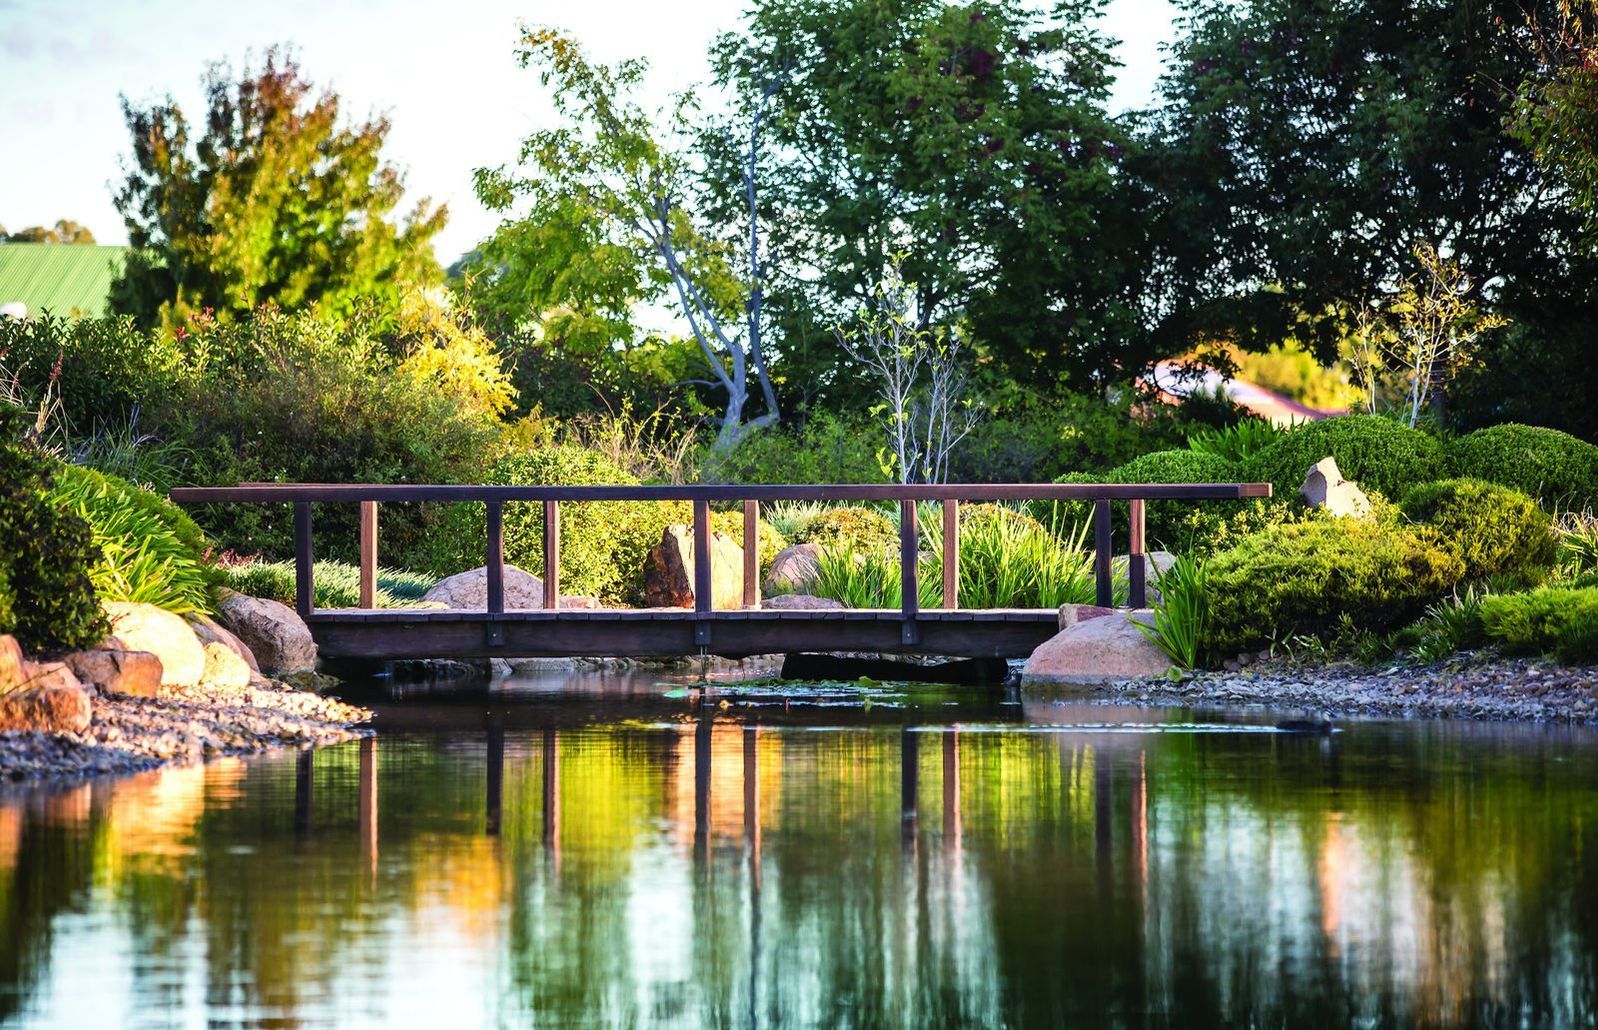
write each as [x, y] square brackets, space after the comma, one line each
[535, 863]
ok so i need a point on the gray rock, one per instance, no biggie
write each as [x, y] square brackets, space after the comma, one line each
[1097, 650]
[800, 602]
[274, 633]
[793, 570]
[469, 590]
[1325, 488]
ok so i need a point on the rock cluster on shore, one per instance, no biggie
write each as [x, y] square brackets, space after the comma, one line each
[162, 688]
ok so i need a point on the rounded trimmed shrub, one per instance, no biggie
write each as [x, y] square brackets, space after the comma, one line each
[1315, 577]
[1562, 622]
[1558, 469]
[47, 600]
[1375, 452]
[865, 528]
[1167, 523]
[1495, 530]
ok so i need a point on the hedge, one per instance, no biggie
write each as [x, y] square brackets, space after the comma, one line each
[1377, 453]
[1556, 468]
[1495, 530]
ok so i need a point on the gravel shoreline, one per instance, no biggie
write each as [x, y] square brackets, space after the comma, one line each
[1471, 687]
[182, 725]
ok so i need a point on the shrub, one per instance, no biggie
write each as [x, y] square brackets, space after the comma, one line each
[1008, 560]
[1209, 527]
[1556, 468]
[47, 599]
[1375, 452]
[792, 518]
[150, 552]
[824, 449]
[769, 542]
[1495, 530]
[1313, 578]
[602, 543]
[1166, 522]
[1578, 544]
[333, 584]
[1557, 621]
[863, 528]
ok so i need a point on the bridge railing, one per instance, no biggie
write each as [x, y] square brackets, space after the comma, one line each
[948, 495]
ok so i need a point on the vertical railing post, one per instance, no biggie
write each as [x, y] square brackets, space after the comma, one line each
[951, 554]
[703, 601]
[551, 554]
[495, 566]
[751, 554]
[303, 586]
[1136, 568]
[368, 589]
[909, 579]
[1101, 554]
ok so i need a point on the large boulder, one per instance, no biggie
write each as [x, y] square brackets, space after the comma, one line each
[469, 590]
[669, 571]
[52, 702]
[274, 633]
[224, 669]
[144, 627]
[1071, 614]
[793, 570]
[1325, 488]
[1097, 650]
[134, 673]
[212, 632]
[11, 662]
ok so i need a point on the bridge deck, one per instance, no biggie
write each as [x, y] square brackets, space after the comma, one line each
[400, 633]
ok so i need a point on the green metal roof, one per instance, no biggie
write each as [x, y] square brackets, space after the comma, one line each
[66, 279]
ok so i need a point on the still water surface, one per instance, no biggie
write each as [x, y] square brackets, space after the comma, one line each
[587, 851]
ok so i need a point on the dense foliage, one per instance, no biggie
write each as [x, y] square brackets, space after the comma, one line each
[47, 553]
[1495, 530]
[1316, 578]
[1561, 622]
[1554, 467]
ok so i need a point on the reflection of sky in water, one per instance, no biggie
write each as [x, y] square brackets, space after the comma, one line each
[660, 870]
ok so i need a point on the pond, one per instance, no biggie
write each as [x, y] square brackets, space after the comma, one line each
[599, 849]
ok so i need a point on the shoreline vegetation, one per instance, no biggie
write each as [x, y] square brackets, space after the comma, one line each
[1000, 312]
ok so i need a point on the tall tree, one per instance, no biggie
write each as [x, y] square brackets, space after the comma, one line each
[1307, 148]
[969, 137]
[619, 185]
[277, 200]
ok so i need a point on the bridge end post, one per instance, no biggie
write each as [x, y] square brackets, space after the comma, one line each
[1136, 567]
[1102, 545]
[751, 554]
[303, 585]
[368, 590]
[703, 602]
[951, 554]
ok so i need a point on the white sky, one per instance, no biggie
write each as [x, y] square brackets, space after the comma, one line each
[443, 72]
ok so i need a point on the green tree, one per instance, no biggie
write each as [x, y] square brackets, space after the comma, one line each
[65, 230]
[609, 223]
[277, 200]
[1306, 148]
[1557, 113]
[970, 137]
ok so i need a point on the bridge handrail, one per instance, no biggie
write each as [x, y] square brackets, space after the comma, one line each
[494, 497]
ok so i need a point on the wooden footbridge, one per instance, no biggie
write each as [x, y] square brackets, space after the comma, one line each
[371, 634]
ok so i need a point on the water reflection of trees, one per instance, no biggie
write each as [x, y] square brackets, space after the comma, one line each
[708, 872]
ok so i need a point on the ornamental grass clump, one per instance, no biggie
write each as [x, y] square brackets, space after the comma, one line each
[1322, 577]
[334, 584]
[1495, 530]
[1181, 616]
[1557, 469]
[1236, 442]
[150, 552]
